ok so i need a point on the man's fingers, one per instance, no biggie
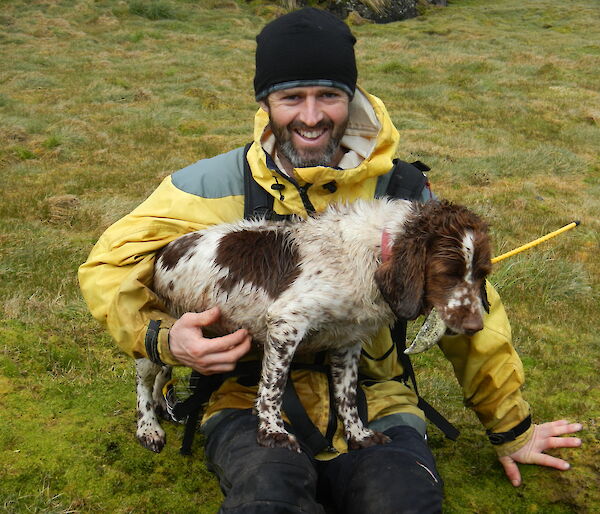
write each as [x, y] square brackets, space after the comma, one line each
[216, 368]
[560, 427]
[227, 342]
[222, 362]
[563, 442]
[543, 459]
[228, 350]
[202, 319]
[512, 470]
[567, 428]
[210, 361]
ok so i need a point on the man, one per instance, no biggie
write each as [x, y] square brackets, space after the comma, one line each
[318, 139]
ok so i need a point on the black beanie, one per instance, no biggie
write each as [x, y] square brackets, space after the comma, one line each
[309, 47]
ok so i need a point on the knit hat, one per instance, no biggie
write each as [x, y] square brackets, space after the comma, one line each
[308, 47]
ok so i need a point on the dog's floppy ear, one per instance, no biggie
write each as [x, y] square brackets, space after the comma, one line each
[401, 279]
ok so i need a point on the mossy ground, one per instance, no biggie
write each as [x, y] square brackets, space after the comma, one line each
[101, 99]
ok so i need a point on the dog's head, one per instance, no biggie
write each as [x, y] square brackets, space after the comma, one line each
[440, 259]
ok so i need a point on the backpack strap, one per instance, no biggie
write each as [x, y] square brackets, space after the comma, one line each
[190, 409]
[407, 180]
[258, 203]
[308, 434]
[399, 337]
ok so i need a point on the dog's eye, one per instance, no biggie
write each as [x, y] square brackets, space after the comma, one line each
[456, 269]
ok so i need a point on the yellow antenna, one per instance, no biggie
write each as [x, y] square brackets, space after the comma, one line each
[535, 242]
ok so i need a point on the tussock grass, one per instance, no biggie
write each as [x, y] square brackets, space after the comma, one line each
[153, 10]
[101, 99]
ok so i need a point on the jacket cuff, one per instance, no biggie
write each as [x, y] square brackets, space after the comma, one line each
[503, 450]
[498, 438]
[164, 350]
[156, 342]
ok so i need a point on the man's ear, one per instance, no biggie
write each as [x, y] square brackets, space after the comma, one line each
[264, 106]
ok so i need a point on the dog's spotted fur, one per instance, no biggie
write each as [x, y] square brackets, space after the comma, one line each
[323, 284]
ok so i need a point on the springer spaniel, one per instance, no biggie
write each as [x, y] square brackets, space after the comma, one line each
[329, 282]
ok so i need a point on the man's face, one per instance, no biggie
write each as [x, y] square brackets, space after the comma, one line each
[308, 123]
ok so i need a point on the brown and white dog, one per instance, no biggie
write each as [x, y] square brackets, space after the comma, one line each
[325, 283]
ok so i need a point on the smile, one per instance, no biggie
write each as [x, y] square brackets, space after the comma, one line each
[312, 136]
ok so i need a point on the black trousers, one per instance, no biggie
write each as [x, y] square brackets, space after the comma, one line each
[398, 477]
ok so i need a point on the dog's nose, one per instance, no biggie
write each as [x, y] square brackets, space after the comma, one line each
[472, 324]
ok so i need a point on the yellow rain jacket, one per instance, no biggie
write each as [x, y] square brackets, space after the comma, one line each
[116, 280]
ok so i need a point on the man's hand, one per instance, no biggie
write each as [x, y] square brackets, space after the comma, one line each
[544, 437]
[207, 356]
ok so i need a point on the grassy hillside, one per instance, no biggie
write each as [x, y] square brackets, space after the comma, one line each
[100, 99]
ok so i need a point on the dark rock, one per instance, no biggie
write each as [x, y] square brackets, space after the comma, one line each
[378, 11]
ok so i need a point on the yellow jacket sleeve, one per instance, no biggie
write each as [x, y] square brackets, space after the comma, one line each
[116, 279]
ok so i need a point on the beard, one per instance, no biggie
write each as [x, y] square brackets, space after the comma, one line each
[308, 157]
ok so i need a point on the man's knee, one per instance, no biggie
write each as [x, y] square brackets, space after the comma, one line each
[257, 479]
[398, 484]
[272, 486]
[393, 478]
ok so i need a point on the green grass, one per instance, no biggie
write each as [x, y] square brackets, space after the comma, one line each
[101, 99]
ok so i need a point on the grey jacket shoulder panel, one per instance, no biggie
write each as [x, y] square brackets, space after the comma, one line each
[216, 177]
[382, 184]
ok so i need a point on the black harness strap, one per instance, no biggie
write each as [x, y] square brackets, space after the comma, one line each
[248, 374]
[382, 357]
[399, 337]
[191, 425]
[191, 408]
[258, 203]
[308, 434]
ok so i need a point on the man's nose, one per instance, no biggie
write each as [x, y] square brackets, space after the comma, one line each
[310, 114]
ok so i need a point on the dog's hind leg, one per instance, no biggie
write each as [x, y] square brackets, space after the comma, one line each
[282, 340]
[149, 432]
[344, 372]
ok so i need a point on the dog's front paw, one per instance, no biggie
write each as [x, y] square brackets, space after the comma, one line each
[153, 440]
[372, 439]
[277, 440]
